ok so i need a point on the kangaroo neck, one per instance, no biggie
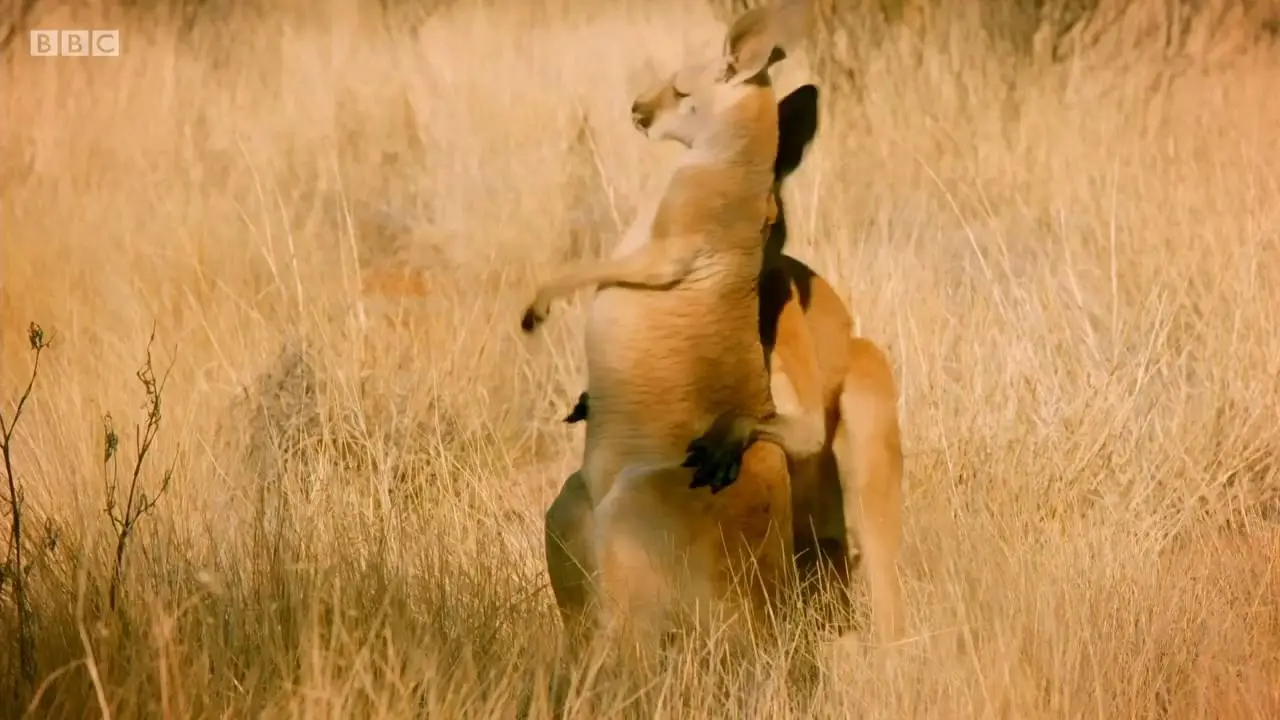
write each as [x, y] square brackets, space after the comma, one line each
[743, 135]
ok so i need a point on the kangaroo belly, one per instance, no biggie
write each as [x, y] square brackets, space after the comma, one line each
[662, 364]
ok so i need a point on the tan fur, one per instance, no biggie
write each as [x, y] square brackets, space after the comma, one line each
[846, 500]
[847, 495]
[663, 365]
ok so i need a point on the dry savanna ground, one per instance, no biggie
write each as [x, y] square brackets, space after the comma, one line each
[331, 218]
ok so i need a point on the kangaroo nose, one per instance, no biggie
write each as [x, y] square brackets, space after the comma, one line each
[640, 117]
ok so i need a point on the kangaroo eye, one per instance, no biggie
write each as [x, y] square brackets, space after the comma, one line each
[680, 94]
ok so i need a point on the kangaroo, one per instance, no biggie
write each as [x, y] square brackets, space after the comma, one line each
[820, 375]
[672, 343]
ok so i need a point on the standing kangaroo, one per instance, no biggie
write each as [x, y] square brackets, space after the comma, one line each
[846, 498]
[673, 343]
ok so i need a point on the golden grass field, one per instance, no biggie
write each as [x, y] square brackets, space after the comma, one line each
[1075, 267]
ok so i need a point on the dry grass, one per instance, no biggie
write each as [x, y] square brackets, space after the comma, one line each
[1076, 267]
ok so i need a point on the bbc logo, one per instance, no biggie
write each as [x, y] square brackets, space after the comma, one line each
[75, 43]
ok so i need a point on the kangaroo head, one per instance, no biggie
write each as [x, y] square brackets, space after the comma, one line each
[702, 97]
[797, 120]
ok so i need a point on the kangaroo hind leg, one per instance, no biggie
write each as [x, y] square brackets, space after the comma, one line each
[868, 451]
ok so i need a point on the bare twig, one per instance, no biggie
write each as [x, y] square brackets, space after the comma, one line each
[124, 518]
[14, 569]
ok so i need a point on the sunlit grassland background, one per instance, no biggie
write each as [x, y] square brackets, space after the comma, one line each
[1062, 222]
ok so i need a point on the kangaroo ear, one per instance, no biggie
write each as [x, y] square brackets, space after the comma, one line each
[792, 22]
[749, 46]
[758, 38]
[797, 124]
